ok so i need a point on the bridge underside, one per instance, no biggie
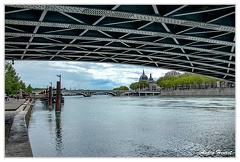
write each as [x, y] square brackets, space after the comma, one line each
[192, 38]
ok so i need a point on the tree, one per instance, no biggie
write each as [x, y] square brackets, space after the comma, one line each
[184, 79]
[134, 85]
[141, 84]
[11, 79]
[29, 88]
[22, 85]
[121, 88]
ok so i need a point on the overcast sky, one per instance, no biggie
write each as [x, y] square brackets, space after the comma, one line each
[82, 75]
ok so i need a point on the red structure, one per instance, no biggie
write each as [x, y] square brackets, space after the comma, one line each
[50, 96]
[58, 96]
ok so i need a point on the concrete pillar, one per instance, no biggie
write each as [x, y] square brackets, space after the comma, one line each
[58, 97]
[50, 96]
[218, 84]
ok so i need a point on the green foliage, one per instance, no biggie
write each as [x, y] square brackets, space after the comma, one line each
[22, 85]
[187, 78]
[12, 81]
[141, 84]
[121, 88]
[29, 88]
[38, 89]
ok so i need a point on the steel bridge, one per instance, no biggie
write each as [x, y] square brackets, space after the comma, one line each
[190, 38]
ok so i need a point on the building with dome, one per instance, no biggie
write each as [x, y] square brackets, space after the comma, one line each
[152, 84]
[143, 76]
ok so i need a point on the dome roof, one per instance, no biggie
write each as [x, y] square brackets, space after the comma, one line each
[143, 76]
[150, 78]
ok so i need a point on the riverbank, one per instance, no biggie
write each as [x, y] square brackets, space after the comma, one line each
[17, 115]
[200, 92]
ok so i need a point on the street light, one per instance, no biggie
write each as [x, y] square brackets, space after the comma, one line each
[59, 77]
[60, 80]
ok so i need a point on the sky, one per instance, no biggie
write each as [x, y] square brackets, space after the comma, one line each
[82, 75]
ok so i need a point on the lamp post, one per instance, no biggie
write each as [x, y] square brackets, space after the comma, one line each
[59, 77]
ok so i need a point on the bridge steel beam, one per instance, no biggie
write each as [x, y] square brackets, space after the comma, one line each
[190, 38]
[122, 48]
[111, 29]
[127, 15]
[131, 55]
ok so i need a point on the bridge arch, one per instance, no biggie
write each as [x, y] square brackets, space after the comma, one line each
[107, 92]
[186, 38]
[80, 93]
[112, 93]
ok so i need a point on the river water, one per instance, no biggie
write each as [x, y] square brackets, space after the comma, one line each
[106, 126]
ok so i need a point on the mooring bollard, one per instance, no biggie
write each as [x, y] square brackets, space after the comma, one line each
[50, 96]
[58, 97]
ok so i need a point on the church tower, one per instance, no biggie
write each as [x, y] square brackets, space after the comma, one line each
[150, 78]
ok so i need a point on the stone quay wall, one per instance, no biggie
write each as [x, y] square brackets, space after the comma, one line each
[200, 92]
[18, 143]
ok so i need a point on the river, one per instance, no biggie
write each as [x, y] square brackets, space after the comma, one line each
[106, 126]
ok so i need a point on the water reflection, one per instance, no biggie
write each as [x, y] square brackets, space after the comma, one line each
[58, 130]
[134, 127]
[50, 108]
[55, 125]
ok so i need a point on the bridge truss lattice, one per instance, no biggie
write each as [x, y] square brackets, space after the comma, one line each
[192, 38]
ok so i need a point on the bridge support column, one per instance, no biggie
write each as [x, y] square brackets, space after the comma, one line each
[50, 96]
[58, 97]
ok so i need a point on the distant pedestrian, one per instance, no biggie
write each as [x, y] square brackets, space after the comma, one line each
[6, 97]
[17, 97]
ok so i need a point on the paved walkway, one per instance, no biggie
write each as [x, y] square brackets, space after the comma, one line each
[13, 104]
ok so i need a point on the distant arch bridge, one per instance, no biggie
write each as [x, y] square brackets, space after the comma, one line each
[190, 38]
[88, 93]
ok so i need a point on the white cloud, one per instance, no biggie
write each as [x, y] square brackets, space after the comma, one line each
[84, 75]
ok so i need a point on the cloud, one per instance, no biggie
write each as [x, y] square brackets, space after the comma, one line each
[82, 75]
